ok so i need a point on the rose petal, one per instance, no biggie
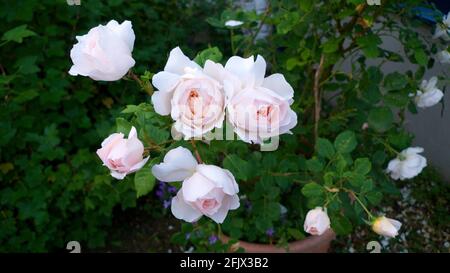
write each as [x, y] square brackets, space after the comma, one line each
[178, 165]
[182, 210]
[177, 62]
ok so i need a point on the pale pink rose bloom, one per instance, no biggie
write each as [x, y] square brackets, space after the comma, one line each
[408, 164]
[191, 95]
[258, 107]
[104, 53]
[122, 156]
[386, 226]
[206, 189]
[317, 221]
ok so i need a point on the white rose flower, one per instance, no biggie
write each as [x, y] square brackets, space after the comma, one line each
[190, 94]
[317, 221]
[233, 23]
[408, 164]
[443, 57]
[206, 190]
[428, 95]
[104, 53]
[386, 226]
[258, 107]
[443, 29]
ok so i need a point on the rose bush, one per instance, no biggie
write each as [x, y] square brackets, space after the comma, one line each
[335, 128]
[339, 143]
[53, 187]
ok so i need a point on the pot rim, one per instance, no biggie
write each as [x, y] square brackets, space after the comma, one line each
[311, 244]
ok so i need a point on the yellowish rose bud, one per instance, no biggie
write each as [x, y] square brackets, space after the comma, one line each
[386, 226]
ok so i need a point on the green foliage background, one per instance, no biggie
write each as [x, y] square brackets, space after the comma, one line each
[53, 188]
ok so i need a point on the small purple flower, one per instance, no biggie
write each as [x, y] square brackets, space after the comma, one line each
[167, 203]
[161, 186]
[270, 232]
[212, 239]
[172, 189]
[159, 193]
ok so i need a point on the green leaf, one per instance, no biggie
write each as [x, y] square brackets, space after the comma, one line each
[362, 166]
[131, 109]
[374, 197]
[331, 45]
[325, 148]
[212, 54]
[25, 96]
[355, 179]
[397, 99]
[369, 45]
[345, 142]
[341, 225]
[314, 165]
[144, 181]
[313, 190]
[395, 81]
[237, 166]
[296, 234]
[288, 22]
[17, 34]
[421, 57]
[380, 119]
[367, 185]
[123, 125]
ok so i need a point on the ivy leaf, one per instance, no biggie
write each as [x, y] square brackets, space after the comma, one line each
[380, 118]
[325, 148]
[345, 142]
[144, 181]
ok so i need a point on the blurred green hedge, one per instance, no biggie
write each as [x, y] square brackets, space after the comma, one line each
[53, 188]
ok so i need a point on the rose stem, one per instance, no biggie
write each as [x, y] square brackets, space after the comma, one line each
[197, 155]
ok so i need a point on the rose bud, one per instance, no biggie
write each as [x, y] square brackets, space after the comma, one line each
[122, 156]
[386, 226]
[317, 221]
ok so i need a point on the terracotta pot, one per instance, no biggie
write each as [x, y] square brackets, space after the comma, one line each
[312, 244]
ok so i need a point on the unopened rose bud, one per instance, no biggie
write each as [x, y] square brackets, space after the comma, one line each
[386, 226]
